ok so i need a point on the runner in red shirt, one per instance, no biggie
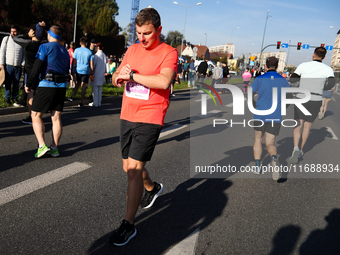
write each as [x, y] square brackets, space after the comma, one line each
[147, 71]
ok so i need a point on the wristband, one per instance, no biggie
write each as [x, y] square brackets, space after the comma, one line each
[131, 75]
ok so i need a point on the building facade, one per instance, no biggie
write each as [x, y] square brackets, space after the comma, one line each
[280, 55]
[225, 48]
[335, 62]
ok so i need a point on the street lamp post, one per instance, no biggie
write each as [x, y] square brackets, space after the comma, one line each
[264, 32]
[185, 19]
[75, 23]
[288, 55]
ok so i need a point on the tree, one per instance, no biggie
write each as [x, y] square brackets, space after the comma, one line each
[174, 38]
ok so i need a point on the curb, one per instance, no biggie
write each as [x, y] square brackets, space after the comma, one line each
[15, 110]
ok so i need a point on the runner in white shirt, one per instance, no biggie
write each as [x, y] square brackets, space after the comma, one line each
[315, 77]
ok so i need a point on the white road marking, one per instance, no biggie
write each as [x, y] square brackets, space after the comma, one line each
[199, 100]
[170, 130]
[334, 137]
[229, 105]
[26, 187]
[186, 246]
[209, 114]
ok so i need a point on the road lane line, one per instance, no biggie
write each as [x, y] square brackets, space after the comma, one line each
[334, 137]
[170, 130]
[199, 100]
[186, 246]
[26, 187]
[209, 114]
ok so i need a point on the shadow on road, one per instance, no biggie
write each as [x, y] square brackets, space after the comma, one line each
[194, 204]
[320, 241]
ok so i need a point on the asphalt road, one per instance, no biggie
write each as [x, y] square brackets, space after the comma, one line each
[76, 214]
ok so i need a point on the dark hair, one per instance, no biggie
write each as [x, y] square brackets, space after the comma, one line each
[148, 16]
[83, 41]
[57, 30]
[15, 27]
[320, 52]
[100, 45]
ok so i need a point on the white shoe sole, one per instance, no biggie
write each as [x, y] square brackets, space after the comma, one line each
[43, 153]
[276, 175]
[294, 159]
[155, 197]
[132, 236]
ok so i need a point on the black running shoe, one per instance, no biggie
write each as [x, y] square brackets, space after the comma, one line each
[27, 120]
[81, 105]
[124, 234]
[150, 196]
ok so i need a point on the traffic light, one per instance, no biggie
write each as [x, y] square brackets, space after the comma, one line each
[322, 45]
[278, 45]
[299, 46]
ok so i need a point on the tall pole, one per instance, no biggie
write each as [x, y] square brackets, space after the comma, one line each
[264, 32]
[75, 23]
[185, 19]
[288, 54]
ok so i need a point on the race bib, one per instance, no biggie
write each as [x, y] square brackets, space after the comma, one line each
[136, 90]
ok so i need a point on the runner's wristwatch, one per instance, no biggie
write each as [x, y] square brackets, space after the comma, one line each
[131, 75]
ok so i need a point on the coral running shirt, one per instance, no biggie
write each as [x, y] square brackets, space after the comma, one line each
[140, 103]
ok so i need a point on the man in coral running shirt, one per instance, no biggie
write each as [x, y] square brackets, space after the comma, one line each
[147, 71]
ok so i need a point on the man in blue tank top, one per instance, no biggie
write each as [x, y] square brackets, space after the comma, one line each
[48, 78]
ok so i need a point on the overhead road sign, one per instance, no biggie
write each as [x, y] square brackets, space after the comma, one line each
[284, 45]
[305, 46]
[329, 47]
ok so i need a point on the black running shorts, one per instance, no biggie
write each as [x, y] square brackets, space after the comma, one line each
[48, 99]
[138, 140]
[83, 77]
[312, 106]
[269, 127]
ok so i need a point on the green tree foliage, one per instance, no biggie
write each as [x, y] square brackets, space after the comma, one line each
[15, 12]
[174, 38]
[95, 17]
[93, 12]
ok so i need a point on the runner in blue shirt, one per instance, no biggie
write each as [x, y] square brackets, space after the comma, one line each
[48, 79]
[84, 68]
[268, 125]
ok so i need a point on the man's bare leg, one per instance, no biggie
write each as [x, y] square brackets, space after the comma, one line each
[305, 133]
[57, 128]
[38, 127]
[83, 91]
[137, 178]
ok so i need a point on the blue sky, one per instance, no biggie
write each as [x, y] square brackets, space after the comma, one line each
[306, 21]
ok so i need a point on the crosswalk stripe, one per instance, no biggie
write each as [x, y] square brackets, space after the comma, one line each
[186, 246]
[28, 186]
[170, 130]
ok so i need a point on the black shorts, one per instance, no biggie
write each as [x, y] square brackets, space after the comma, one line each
[48, 99]
[312, 106]
[83, 77]
[138, 140]
[269, 127]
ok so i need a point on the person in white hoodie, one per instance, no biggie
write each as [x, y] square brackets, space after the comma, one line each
[99, 62]
[11, 60]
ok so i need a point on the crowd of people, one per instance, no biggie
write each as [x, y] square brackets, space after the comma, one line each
[49, 65]
[18, 53]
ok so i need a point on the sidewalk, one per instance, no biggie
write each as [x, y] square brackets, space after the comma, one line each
[14, 110]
